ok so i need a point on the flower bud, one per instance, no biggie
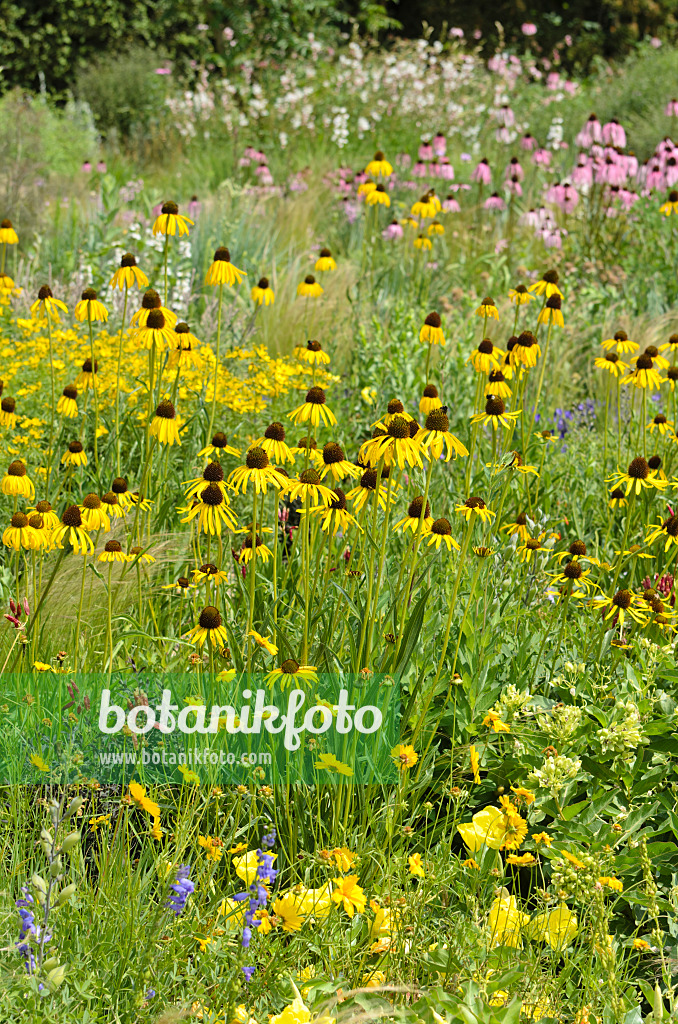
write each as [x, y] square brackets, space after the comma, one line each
[50, 964]
[74, 806]
[55, 867]
[55, 977]
[39, 883]
[66, 894]
[70, 842]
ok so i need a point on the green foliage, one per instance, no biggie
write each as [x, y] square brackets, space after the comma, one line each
[123, 91]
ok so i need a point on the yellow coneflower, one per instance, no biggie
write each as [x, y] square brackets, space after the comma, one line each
[486, 357]
[68, 405]
[612, 363]
[309, 287]
[128, 274]
[209, 627]
[157, 333]
[668, 529]
[8, 412]
[120, 489]
[334, 517]
[645, 375]
[552, 312]
[140, 501]
[396, 445]
[436, 437]
[212, 474]
[421, 242]
[379, 167]
[312, 353]
[667, 208]
[209, 571]
[291, 673]
[427, 207]
[440, 532]
[496, 385]
[671, 344]
[261, 550]
[185, 356]
[262, 294]
[74, 455]
[378, 197]
[47, 305]
[526, 350]
[39, 535]
[432, 331]
[212, 511]
[264, 642]
[222, 271]
[333, 461]
[495, 414]
[94, 514]
[112, 505]
[366, 487]
[653, 352]
[547, 285]
[164, 424]
[435, 228]
[308, 485]
[617, 498]
[6, 283]
[18, 534]
[365, 187]
[488, 309]
[112, 552]
[519, 526]
[430, 400]
[475, 508]
[49, 516]
[219, 446]
[169, 221]
[86, 376]
[660, 424]
[258, 471]
[90, 308]
[576, 577]
[325, 261]
[413, 517]
[638, 477]
[138, 554]
[314, 409]
[17, 483]
[621, 343]
[151, 301]
[180, 586]
[530, 547]
[8, 235]
[71, 528]
[394, 408]
[621, 604]
[519, 295]
[274, 444]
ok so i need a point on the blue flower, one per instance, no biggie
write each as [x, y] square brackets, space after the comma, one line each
[182, 888]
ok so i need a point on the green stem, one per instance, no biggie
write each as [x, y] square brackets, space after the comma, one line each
[216, 364]
[117, 383]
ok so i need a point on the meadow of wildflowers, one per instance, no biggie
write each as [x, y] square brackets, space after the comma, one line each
[361, 377]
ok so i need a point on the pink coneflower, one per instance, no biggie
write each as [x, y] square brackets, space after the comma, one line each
[446, 169]
[531, 218]
[671, 171]
[101, 167]
[420, 170]
[404, 160]
[570, 198]
[590, 133]
[614, 134]
[456, 33]
[501, 245]
[505, 116]
[450, 205]
[528, 28]
[425, 150]
[482, 173]
[514, 170]
[439, 144]
[494, 202]
[553, 81]
[541, 158]
[570, 87]
[392, 230]
[671, 108]
[627, 198]
[86, 167]
[163, 71]
[555, 193]
[655, 179]
[552, 239]
[193, 207]
[351, 210]
[514, 187]
[528, 142]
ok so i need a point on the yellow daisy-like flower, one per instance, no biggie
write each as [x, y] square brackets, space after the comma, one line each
[668, 207]
[610, 882]
[411, 520]
[8, 235]
[314, 409]
[519, 295]
[488, 309]
[309, 486]
[637, 477]
[209, 571]
[17, 483]
[379, 167]
[112, 552]
[258, 471]
[612, 363]
[621, 343]
[309, 287]
[475, 508]
[552, 312]
[212, 511]
[19, 533]
[365, 187]
[575, 577]
[521, 860]
[435, 436]
[660, 424]
[209, 628]
[334, 463]
[218, 446]
[334, 517]
[435, 228]
[67, 405]
[486, 357]
[495, 722]
[151, 301]
[526, 350]
[330, 762]
[395, 445]
[530, 547]
[325, 261]
[430, 400]
[426, 208]
[415, 865]
[222, 271]
[73, 529]
[547, 285]
[261, 550]
[47, 305]
[404, 756]
[185, 355]
[440, 532]
[291, 673]
[169, 221]
[89, 307]
[668, 530]
[274, 444]
[422, 243]
[312, 353]
[128, 274]
[264, 642]
[378, 197]
[349, 894]
[495, 414]
[542, 837]
[164, 424]
[432, 331]
[157, 333]
[367, 486]
[497, 386]
[94, 514]
[262, 294]
[622, 604]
